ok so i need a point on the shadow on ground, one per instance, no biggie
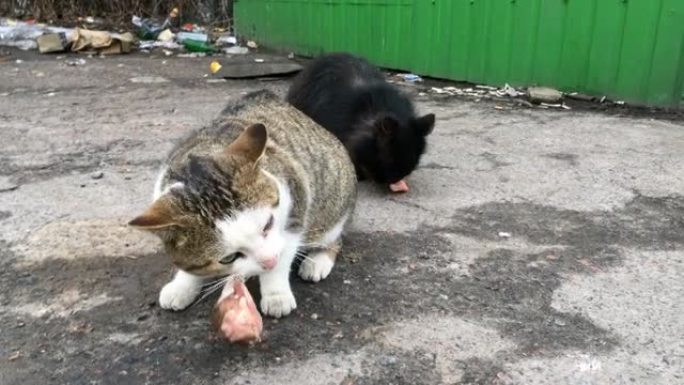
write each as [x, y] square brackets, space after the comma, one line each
[383, 278]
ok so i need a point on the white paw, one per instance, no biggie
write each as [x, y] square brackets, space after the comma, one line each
[278, 304]
[316, 267]
[177, 295]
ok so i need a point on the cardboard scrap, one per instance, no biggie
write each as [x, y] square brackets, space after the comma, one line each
[86, 40]
[56, 42]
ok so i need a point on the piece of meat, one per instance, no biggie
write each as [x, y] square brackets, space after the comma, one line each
[399, 187]
[236, 318]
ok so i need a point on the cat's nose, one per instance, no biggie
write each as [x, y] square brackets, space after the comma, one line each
[269, 263]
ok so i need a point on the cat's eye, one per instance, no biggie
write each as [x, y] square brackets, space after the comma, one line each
[231, 258]
[269, 225]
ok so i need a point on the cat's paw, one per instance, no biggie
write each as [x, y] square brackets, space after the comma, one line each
[316, 267]
[278, 304]
[177, 295]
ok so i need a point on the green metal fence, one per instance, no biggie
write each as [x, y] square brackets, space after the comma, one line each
[627, 49]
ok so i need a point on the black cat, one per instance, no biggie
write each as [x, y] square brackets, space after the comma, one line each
[376, 122]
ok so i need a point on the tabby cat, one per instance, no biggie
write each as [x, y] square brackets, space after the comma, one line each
[246, 195]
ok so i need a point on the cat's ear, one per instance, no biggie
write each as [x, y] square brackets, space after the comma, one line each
[387, 126]
[425, 124]
[158, 216]
[251, 144]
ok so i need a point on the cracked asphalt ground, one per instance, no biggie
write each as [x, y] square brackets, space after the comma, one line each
[535, 247]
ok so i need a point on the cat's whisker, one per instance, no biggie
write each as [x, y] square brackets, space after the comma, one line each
[218, 284]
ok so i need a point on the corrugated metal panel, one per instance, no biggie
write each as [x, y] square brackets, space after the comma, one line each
[627, 49]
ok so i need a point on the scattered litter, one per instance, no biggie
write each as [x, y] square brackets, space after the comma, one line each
[192, 54]
[503, 234]
[147, 44]
[91, 20]
[165, 35]
[226, 40]
[149, 29]
[235, 50]
[168, 52]
[23, 35]
[485, 87]
[183, 36]
[291, 55]
[559, 105]
[75, 62]
[510, 91]
[148, 79]
[216, 80]
[620, 102]
[192, 28]
[18, 61]
[347, 282]
[314, 316]
[251, 44]
[259, 60]
[580, 96]
[97, 175]
[214, 67]
[411, 78]
[15, 356]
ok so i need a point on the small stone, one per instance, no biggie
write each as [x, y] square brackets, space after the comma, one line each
[314, 316]
[504, 234]
[423, 256]
[544, 94]
[346, 282]
[97, 175]
[388, 361]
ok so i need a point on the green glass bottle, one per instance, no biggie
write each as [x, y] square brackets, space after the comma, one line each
[199, 46]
